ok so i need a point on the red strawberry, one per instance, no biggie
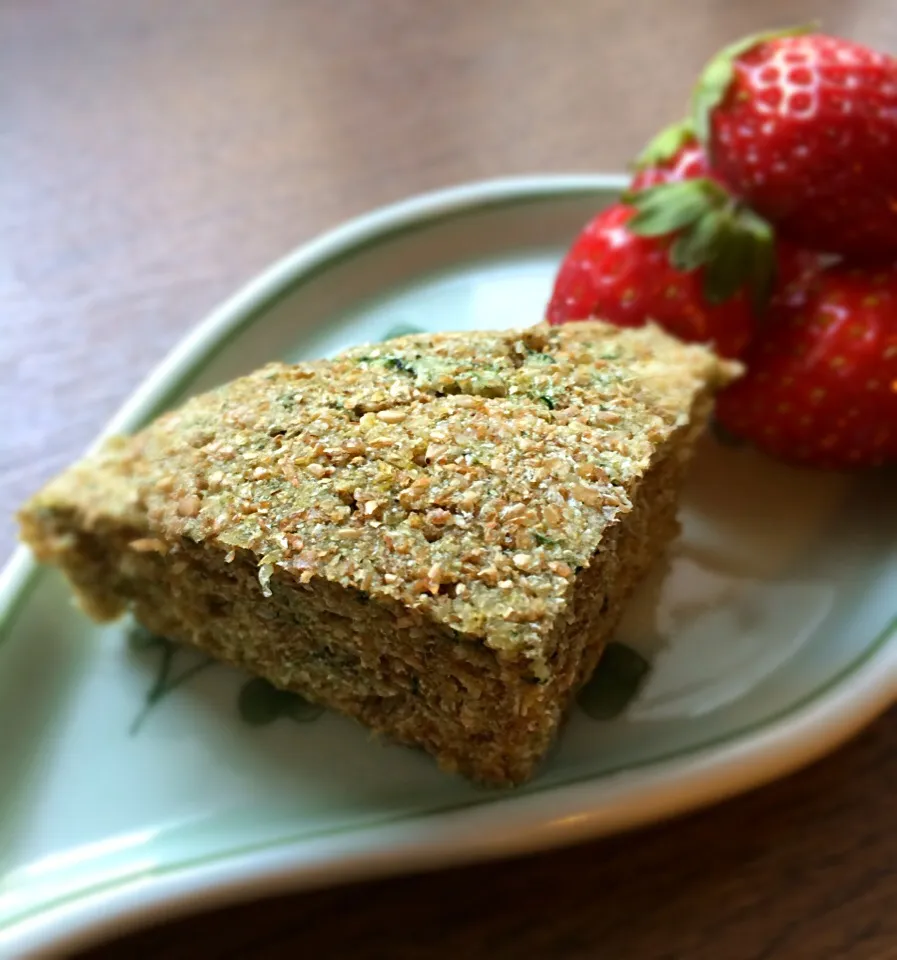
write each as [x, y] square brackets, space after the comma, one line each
[612, 273]
[804, 130]
[821, 382]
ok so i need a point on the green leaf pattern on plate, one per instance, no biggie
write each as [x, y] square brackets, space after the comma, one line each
[258, 704]
[166, 680]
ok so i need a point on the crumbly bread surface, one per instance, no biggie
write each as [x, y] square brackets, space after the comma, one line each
[435, 534]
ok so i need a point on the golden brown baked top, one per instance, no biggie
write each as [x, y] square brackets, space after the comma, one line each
[465, 476]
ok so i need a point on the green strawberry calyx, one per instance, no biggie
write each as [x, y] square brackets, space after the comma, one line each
[665, 145]
[717, 76]
[711, 229]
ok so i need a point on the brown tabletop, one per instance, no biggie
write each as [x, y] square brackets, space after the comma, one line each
[155, 155]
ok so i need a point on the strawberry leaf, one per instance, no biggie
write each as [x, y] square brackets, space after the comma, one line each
[668, 207]
[726, 269]
[713, 84]
[665, 145]
[743, 257]
[761, 273]
[713, 230]
[691, 248]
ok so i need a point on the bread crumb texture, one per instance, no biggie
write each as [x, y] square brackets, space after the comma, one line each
[466, 476]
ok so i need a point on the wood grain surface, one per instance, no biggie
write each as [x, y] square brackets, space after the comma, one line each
[154, 155]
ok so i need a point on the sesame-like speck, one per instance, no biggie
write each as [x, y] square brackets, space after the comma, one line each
[464, 476]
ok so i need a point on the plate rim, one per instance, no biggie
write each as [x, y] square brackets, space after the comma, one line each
[520, 823]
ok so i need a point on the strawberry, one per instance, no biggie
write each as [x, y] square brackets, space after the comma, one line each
[678, 197]
[821, 381]
[672, 156]
[803, 128]
[615, 274]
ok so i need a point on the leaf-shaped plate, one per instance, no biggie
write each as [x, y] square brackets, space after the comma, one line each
[769, 633]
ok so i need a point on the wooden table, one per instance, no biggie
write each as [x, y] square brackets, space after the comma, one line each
[155, 155]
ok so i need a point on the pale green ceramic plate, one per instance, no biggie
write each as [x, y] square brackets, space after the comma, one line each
[771, 633]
